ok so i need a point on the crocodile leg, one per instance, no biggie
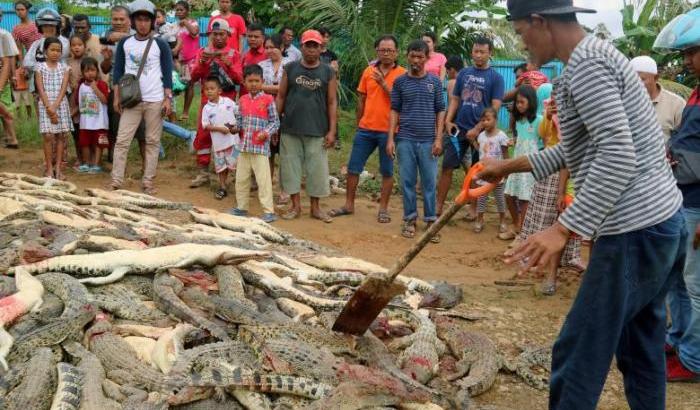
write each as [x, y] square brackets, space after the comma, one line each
[116, 275]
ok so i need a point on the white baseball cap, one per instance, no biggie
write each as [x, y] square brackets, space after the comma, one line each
[644, 64]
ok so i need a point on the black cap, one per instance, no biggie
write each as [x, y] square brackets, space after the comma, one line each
[518, 9]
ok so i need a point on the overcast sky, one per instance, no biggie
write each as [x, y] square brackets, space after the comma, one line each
[608, 13]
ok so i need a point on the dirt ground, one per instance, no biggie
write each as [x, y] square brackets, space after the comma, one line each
[513, 316]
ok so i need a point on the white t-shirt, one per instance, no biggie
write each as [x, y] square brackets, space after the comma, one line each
[490, 147]
[93, 113]
[151, 80]
[221, 114]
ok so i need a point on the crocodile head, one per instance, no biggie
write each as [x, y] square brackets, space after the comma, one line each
[443, 295]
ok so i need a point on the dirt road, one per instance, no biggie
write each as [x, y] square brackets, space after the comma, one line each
[514, 317]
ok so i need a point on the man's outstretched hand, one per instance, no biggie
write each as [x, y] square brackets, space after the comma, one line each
[541, 250]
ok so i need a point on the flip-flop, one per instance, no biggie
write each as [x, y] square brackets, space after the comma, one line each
[323, 217]
[292, 214]
[342, 211]
[383, 217]
[11, 146]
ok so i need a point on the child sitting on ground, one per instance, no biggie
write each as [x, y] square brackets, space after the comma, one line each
[91, 99]
[493, 143]
[258, 121]
[219, 118]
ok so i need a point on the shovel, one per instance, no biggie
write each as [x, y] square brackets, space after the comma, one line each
[378, 289]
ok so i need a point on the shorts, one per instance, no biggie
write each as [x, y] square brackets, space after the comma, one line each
[456, 154]
[23, 98]
[304, 155]
[93, 138]
[363, 146]
[225, 159]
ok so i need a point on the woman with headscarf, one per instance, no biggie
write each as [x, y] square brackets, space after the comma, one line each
[547, 195]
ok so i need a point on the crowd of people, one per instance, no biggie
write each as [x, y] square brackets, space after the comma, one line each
[584, 158]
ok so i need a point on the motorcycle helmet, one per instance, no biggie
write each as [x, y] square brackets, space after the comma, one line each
[682, 33]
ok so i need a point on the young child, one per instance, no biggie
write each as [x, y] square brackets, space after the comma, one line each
[519, 186]
[20, 91]
[52, 80]
[258, 121]
[493, 143]
[91, 97]
[220, 113]
[77, 52]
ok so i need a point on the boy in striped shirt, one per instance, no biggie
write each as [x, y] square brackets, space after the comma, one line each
[418, 108]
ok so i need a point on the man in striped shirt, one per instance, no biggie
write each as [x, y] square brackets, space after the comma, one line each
[626, 198]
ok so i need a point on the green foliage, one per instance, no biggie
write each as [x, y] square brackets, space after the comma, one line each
[641, 33]
[356, 24]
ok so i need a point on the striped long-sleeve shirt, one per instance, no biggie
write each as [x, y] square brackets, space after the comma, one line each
[612, 143]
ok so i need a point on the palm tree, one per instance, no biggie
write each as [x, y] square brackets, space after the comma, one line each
[357, 23]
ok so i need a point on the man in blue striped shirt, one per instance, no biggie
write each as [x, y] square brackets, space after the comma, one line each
[626, 198]
[418, 109]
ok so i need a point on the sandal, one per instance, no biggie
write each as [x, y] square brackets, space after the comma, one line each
[184, 117]
[408, 229]
[149, 190]
[478, 227]
[291, 214]
[220, 194]
[383, 217]
[322, 216]
[12, 146]
[340, 212]
[548, 288]
[437, 237]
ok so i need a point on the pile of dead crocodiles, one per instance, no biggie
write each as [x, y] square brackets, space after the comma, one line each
[119, 300]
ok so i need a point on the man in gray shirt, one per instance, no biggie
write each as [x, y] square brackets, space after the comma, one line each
[626, 199]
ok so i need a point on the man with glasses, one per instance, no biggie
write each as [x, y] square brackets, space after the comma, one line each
[372, 115]
[81, 27]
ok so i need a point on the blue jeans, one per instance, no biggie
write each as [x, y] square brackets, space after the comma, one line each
[684, 302]
[619, 311]
[417, 158]
[363, 146]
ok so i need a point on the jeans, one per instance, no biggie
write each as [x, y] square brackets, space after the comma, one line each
[684, 302]
[417, 158]
[363, 146]
[619, 311]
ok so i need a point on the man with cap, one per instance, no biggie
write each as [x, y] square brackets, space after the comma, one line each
[307, 99]
[626, 199]
[668, 106]
[235, 22]
[220, 59]
[155, 83]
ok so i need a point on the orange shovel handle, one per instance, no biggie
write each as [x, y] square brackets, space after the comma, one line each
[467, 192]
